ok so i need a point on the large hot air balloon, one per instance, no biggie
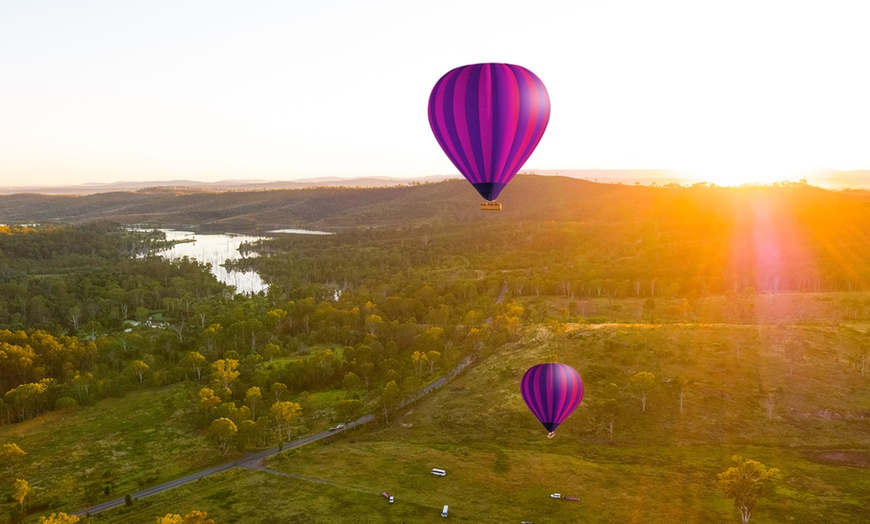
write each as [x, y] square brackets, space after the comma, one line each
[552, 392]
[489, 118]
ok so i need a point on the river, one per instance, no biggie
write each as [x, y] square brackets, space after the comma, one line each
[216, 250]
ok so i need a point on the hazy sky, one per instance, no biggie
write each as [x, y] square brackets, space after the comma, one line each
[98, 91]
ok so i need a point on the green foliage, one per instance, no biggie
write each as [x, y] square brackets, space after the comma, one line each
[58, 518]
[643, 383]
[745, 484]
[10, 455]
[83, 320]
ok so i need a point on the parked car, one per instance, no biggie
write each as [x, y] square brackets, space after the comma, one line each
[555, 495]
[388, 497]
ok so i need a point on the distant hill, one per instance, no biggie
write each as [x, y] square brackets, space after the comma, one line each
[223, 185]
[529, 197]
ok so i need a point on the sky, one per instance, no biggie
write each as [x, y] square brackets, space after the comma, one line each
[730, 91]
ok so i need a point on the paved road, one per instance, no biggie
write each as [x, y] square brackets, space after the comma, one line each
[247, 460]
[254, 459]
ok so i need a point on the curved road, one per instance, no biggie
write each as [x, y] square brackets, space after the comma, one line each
[254, 458]
[247, 460]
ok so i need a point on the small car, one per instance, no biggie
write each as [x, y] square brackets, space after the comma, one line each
[336, 428]
[555, 495]
[388, 497]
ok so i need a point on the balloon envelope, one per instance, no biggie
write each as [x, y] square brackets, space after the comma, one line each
[552, 392]
[488, 118]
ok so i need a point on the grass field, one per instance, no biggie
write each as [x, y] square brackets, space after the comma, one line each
[660, 468]
[123, 443]
[784, 308]
[663, 465]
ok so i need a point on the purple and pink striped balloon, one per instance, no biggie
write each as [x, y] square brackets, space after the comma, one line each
[552, 392]
[489, 118]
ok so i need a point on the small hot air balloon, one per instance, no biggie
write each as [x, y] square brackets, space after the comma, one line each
[552, 392]
[488, 118]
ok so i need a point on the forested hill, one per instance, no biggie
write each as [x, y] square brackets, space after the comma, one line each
[527, 198]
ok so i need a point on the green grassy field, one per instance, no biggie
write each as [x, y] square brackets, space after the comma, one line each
[663, 465]
[125, 443]
[660, 468]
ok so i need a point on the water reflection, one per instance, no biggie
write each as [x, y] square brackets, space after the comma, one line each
[216, 250]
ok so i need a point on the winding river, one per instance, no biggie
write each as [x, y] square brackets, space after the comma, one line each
[216, 250]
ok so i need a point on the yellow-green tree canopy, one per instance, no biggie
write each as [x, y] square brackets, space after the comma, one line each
[194, 517]
[58, 518]
[10, 454]
[20, 491]
[745, 484]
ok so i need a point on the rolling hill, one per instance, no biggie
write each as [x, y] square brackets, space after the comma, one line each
[528, 198]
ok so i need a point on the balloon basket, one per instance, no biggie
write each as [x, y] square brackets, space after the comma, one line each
[490, 206]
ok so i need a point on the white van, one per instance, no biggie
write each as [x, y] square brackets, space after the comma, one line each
[439, 472]
[444, 511]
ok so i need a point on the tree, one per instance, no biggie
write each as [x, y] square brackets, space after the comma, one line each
[682, 383]
[745, 483]
[411, 385]
[390, 397]
[222, 431]
[138, 368]
[20, 491]
[860, 357]
[351, 381]
[224, 372]
[194, 360]
[433, 358]
[208, 400]
[284, 412]
[272, 350]
[58, 518]
[10, 454]
[278, 389]
[348, 409]
[419, 358]
[194, 517]
[264, 426]
[649, 306]
[643, 383]
[769, 406]
[197, 517]
[247, 434]
[253, 397]
[605, 410]
[794, 351]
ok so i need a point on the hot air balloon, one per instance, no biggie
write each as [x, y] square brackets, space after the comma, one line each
[552, 392]
[488, 118]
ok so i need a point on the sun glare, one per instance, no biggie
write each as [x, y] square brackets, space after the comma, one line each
[750, 173]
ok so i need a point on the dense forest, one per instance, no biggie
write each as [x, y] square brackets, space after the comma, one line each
[85, 319]
[89, 301]
[354, 322]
